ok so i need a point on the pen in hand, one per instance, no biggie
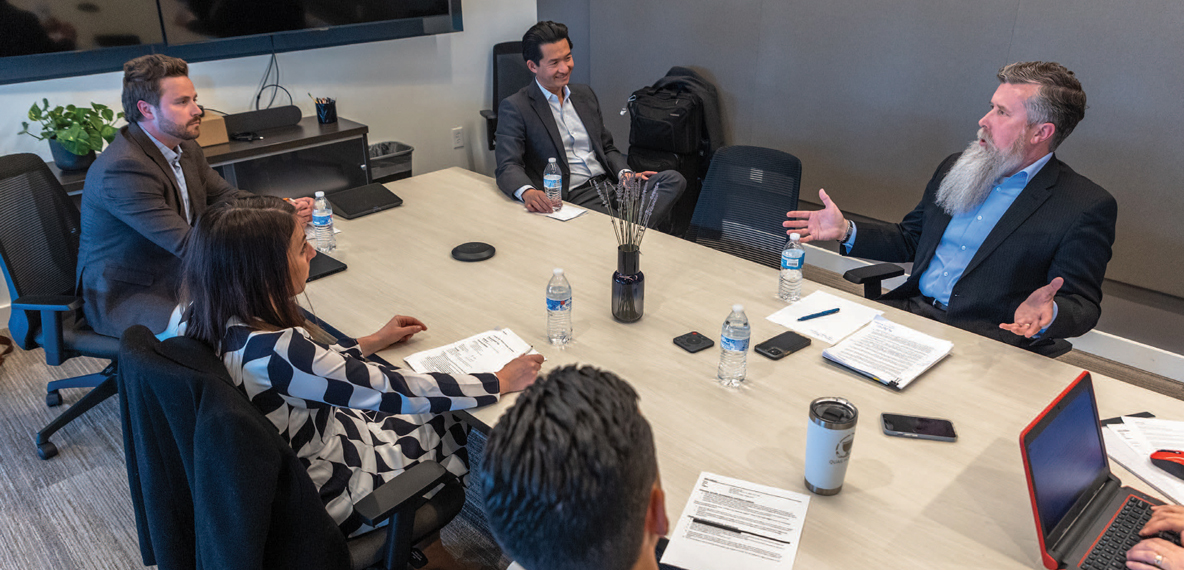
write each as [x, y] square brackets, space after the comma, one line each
[819, 314]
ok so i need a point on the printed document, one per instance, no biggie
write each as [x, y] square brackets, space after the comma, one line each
[485, 352]
[1132, 442]
[729, 524]
[889, 353]
[831, 328]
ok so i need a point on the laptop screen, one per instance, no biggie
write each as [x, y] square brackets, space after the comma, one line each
[1065, 455]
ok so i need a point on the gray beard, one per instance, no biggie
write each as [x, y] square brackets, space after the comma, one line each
[969, 182]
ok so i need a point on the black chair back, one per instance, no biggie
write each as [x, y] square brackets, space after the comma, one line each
[745, 196]
[211, 480]
[509, 71]
[39, 230]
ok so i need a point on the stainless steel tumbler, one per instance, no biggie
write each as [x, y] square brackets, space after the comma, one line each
[829, 436]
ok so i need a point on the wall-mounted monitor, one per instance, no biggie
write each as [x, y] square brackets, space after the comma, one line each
[44, 39]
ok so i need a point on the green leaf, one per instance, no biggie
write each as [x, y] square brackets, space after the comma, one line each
[108, 114]
[35, 113]
[108, 133]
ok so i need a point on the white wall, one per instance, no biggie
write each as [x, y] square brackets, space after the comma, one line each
[412, 90]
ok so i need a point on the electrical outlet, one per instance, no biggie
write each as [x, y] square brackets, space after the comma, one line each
[458, 137]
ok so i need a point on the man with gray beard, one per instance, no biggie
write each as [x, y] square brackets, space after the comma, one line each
[1007, 241]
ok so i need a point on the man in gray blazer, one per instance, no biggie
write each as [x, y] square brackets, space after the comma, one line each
[551, 119]
[141, 196]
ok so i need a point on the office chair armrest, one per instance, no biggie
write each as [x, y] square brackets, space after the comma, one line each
[490, 127]
[59, 303]
[42, 313]
[871, 276]
[404, 491]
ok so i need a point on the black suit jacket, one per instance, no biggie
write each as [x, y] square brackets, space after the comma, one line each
[1061, 225]
[527, 136]
[134, 230]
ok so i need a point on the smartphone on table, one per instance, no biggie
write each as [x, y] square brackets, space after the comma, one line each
[782, 345]
[918, 427]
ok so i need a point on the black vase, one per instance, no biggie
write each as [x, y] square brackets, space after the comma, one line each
[66, 160]
[628, 285]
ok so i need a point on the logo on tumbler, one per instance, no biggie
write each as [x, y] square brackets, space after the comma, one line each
[843, 449]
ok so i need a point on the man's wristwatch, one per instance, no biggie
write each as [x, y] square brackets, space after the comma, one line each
[850, 228]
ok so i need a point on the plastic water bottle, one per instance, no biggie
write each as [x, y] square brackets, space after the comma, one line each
[792, 259]
[733, 344]
[558, 309]
[553, 184]
[322, 224]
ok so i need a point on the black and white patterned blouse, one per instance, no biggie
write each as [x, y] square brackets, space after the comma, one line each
[354, 423]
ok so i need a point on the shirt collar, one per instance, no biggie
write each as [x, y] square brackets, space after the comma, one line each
[170, 155]
[1029, 172]
[551, 97]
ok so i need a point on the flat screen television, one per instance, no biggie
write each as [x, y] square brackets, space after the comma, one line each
[44, 39]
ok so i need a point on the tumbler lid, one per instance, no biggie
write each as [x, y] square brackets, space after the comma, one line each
[834, 413]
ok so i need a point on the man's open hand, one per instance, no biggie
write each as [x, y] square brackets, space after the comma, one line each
[822, 225]
[1036, 312]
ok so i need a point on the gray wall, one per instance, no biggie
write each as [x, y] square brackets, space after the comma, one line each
[872, 95]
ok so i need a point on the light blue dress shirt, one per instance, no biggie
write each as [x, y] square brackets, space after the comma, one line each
[966, 232]
[173, 157]
[581, 156]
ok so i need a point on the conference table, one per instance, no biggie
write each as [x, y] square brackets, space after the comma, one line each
[905, 503]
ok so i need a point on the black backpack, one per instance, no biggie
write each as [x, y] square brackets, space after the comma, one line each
[665, 119]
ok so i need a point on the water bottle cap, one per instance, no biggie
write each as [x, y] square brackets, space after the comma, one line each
[737, 308]
[551, 160]
[795, 236]
[320, 194]
[557, 271]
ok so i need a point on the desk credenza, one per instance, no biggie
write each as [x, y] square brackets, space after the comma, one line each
[906, 503]
[289, 161]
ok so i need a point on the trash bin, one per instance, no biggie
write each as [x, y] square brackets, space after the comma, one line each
[390, 161]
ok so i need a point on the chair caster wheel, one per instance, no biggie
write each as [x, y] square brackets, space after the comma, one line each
[46, 450]
[53, 399]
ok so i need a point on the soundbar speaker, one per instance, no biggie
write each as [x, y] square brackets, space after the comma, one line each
[263, 119]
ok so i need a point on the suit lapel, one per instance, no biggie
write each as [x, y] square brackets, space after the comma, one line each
[543, 109]
[141, 139]
[592, 126]
[936, 220]
[1035, 193]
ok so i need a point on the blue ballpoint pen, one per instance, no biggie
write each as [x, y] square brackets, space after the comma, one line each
[819, 314]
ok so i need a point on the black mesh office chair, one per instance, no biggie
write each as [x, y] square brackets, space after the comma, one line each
[39, 231]
[212, 481]
[509, 75]
[745, 196]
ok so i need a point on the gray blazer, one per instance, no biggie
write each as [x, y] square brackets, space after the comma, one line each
[134, 230]
[527, 136]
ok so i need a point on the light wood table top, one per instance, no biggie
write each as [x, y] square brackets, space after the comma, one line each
[905, 503]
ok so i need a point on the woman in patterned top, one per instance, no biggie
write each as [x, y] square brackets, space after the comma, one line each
[354, 423]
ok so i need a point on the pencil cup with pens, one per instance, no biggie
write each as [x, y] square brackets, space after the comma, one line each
[326, 109]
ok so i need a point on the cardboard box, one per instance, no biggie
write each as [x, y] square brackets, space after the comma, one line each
[213, 131]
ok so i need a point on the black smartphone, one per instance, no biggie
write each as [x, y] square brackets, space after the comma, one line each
[917, 427]
[693, 342]
[785, 343]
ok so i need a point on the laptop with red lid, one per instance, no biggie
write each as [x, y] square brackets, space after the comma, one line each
[1075, 497]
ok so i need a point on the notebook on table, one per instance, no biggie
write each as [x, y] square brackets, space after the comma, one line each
[356, 202]
[1085, 518]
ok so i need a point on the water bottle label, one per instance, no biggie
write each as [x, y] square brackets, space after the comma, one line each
[740, 344]
[793, 259]
[559, 305]
[550, 182]
[322, 220]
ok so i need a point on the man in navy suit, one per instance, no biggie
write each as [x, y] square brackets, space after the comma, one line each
[1007, 241]
[551, 119]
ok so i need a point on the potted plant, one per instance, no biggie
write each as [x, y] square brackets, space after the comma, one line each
[74, 133]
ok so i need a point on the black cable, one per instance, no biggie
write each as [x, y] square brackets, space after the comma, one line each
[263, 80]
[273, 94]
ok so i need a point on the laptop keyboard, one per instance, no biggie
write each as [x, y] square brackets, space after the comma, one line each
[1110, 551]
